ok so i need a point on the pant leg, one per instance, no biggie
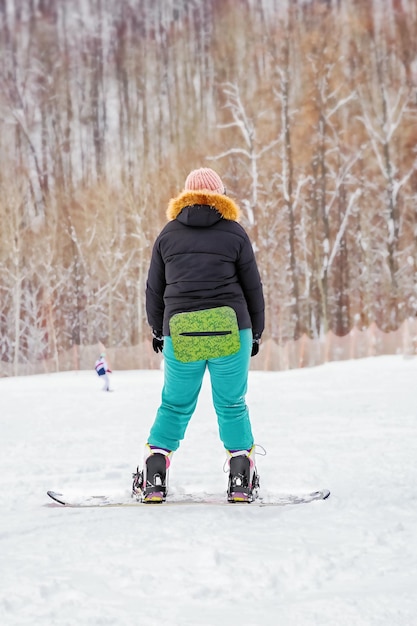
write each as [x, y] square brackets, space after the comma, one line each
[106, 383]
[182, 384]
[229, 379]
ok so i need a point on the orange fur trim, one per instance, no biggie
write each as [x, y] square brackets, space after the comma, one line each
[227, 208]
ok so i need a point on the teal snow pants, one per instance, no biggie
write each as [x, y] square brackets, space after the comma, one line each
[182, 384]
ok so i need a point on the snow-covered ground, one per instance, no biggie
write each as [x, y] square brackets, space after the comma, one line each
[348, 561]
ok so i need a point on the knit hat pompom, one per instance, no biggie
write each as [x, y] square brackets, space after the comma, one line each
[204, 178]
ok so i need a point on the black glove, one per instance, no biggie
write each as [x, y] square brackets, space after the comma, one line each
[255, 344]
[157, 340]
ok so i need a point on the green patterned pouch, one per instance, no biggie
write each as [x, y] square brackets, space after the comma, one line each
[207, 334]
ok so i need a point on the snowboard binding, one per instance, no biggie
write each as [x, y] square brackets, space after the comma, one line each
[243, 484]
[150, 485]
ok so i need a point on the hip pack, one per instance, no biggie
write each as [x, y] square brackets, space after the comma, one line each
[206, 334]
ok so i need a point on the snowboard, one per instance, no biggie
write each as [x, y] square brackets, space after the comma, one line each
[77, 501]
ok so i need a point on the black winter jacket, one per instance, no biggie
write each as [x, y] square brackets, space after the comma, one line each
[203, 259]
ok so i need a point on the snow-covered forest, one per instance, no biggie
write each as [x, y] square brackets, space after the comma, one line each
[308, 111]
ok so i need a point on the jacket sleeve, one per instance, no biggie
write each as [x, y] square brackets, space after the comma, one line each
[155, 289]
[251, 284]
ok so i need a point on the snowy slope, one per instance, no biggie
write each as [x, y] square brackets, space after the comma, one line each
[347, 561]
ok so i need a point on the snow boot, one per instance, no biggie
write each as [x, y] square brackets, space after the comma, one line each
[150, 485]
[243, 482]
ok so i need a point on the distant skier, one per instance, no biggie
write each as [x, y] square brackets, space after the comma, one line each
[103, 370]
[205, 304]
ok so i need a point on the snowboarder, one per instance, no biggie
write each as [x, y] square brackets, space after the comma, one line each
[205, 304]
[103, 370]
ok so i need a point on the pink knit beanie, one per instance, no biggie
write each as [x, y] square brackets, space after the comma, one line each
[204, 178]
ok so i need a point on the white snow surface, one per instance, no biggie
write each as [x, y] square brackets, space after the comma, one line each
[350, 560]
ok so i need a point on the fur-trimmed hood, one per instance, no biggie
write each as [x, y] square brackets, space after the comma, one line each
[224, 205]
